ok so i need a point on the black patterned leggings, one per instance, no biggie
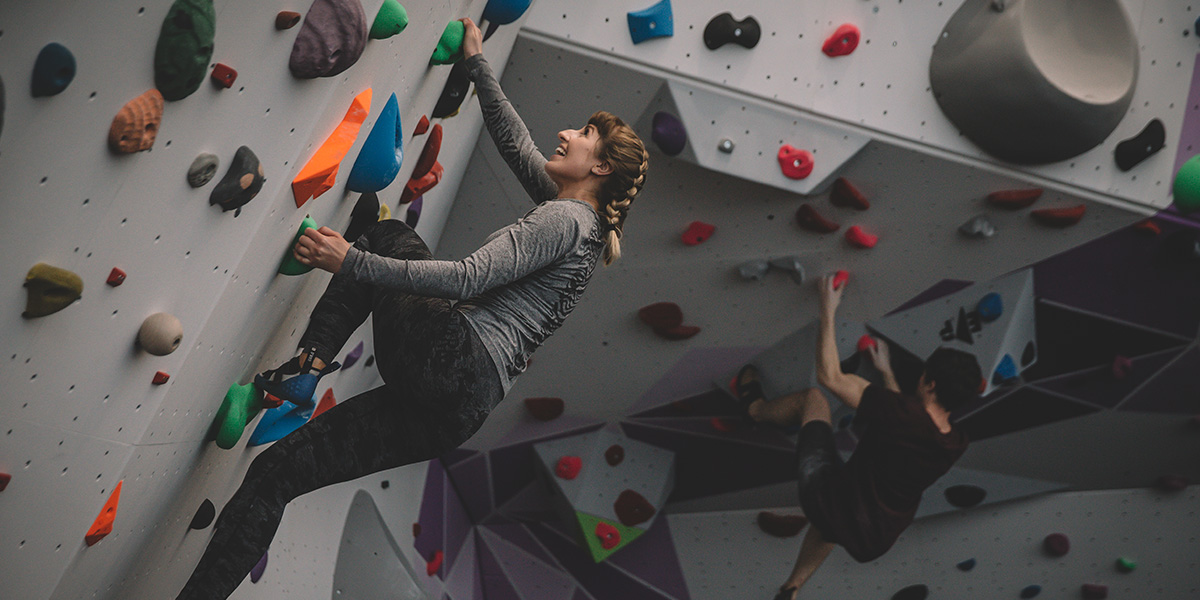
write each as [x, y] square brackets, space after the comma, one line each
[439, 385]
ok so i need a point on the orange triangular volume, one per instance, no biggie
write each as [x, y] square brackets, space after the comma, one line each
[319, 174]
[104, 522]
[327, 402]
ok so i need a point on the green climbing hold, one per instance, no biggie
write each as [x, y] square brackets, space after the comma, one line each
[50, 290]
[391, 19]
[241, 405]
[1187, 186]
[1126, 564]
[449, 48]
[185, 45]
[290, 265]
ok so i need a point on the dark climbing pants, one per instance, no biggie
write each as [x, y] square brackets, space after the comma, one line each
[439, 385]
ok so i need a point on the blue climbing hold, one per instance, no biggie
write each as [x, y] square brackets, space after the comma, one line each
[990, 307]
[1005, 371]
[966, 565]
[53, 70]
[668, 133]
[503, 12]
[1031, 591]
[652, 22]
[279, 422]
[379, 160]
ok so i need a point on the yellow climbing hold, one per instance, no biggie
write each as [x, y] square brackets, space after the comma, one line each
[50, 290]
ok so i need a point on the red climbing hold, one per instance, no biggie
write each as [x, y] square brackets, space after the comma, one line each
[614, 455]
[544, 409]
[568, 467]
[434, 563]
[422, 125]
[429, 154]
[416, 530]
[808, 218]
[781, 525]
[327, 402]
[4, 479]
[1014, 199]
[287, 19]
[861, 239]
[115, 277]
[843, 41]
[1094, 591]
[698, 232]
[632, 508]
[103, 524]
[224, 75]
[417, 187]
[1148, 227]
[1121, 366]
[1172, 483]
[160, 378]
[845, 194]
[1060, 217]
[270, 401]
[1056, 544]
[839, 279]
[609, 536]
[721, 425]
[795, 163]
[666, 319]
[865, 342]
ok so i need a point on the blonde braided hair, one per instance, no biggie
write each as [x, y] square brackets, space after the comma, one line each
[621, 148]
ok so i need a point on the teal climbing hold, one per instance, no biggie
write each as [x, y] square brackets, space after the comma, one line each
[185, 46]
[1005, 371]
[919, 591]
[1187, 186]
[291, 266]
[279, 422]
[503, 12]
[390, 20]
[241, 404]
[379, 160]
[53, 70]
[449, 47]
[990, 307]
[966, 565]
[654, 22]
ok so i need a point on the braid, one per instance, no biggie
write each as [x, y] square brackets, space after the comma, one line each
[617, 210]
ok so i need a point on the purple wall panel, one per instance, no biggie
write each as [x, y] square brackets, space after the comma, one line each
[652, 559]
[600, 579]
[1098, 386]
[514, 467]
[431, 516]
[740, 430]
[458, 524]
[1023, 409]
[495, 583]
[470, 478]
[1176, 389]
[519, 536]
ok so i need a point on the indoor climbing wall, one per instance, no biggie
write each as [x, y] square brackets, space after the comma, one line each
[161, 159]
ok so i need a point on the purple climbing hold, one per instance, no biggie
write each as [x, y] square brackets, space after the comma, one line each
[1056, 544]
[668, 133]
[353, 356]
[414, 211]
[257, 572]
[331, 40]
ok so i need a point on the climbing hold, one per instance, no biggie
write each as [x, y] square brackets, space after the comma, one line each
[1056, 544]
[632, 508]
[1126, 564]
[781, 525]
[1031, 591]
[1060, 217]
[241, 182]
[755, 269]
[160, 378]
[568, 467]
[1186, 187]
[390, 20]
[103, 524]
[1094, 591]
[416, 530]
[808, 218]
[1121, 367]
[223, 75]
[698, 232]
[435, 563]
[185, 45]
[721, 425]
[256, 572]
[270, 401]
[860, 239]
[990, 307]
[422, 125]
[204, 515]
[792, 265]
[843, 41]
[50, 289]
[53, 70]
[136, 124]
[1005, 371]
[1149, 227]
[332, 39]
[291, 266]
[429, 154]
[115, 277]
[1014, 199]
[413, 215]
[668, 133]
[365, 213]
[382, 152]
[318, 176]
[839, 279]
[912, 592]
[287, 19]
[964, 495]
[666, 319]
[203, 169]
[724, 29]
[613, 456]
[795, 163]
[418, 187]
[978, 227]
[327, 402]
[652, 22]
[966, 565]
[726, 145]
[1172, 483]
[160, 334]
[282, 419]
[866, 342]
[449, 46]
[454, 92]
[241, 404]
[1140, 147]
[370, 360]
[845, 194]
[503, 12]
[544, 409]
[352, 356]
[609, 536]
[4, 479]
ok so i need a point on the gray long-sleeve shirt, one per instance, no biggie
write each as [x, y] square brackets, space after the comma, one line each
[518, 288]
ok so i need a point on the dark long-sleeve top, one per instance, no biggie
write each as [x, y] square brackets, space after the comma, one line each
[519, 287]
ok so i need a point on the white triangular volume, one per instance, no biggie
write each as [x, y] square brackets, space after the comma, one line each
[645, 469]
[370, 564]
[953, 321]
[664, 101]
[577, 445]
[997, 487]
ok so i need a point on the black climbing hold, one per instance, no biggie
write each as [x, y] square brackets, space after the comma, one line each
[1031, 591]
[241, 183]
[365, 213]
[370, 360]
[204, 515]
[1029, 354]
[966, 565]
[913, 592]
[454, 93]
[965, 496]
[723, 29]
[53, 70]
[384, 484]
[1140, 147]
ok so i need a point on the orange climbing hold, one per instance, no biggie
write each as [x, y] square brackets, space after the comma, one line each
[115, 277]
[416, 188]
[327, 402]
[318, 176]
[1060, 217]
[103, 524]
[224, 75]
[843, 41]
[1014, 199]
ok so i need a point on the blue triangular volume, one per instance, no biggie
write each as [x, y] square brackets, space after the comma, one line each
[379, 159]
[279, 422]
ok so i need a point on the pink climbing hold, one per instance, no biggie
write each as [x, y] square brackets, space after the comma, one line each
[1121, 367]
[160, 378]
[609, 536]
[843, 41]
[861, 239]
[866, 342]
[697, 233]
[1056, 544]
[795, 163]
[568, 467]
[115, 277]
[434, 563]
[1094, 591]
[839, 279]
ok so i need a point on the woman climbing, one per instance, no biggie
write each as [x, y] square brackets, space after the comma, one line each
[445, 364]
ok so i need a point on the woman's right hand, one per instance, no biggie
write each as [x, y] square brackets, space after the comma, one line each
[472, 39]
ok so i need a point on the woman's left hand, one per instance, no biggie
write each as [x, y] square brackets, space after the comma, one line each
[321, 248]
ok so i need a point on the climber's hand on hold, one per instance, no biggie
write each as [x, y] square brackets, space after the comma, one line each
[472, 39]
[322, 248]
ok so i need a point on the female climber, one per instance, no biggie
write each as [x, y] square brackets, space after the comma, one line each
[450, 336]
